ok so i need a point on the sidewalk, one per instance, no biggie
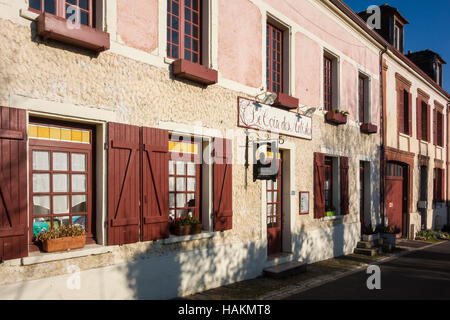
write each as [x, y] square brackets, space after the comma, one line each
[263, 288]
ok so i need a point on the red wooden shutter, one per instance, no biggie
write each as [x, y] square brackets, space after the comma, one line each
[13, 184]
[344, 186]
[434, 127]
[319, 187]
[400, 111]
[223, 197]
[155, 184]
[419, 118]
[410, 114]
[123, 184]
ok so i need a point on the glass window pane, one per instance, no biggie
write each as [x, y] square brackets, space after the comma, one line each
[84, 4]
[59, 221]
[171, 167]
[187, 55]
[181, 200]
[50, 6]
[181, 184]
[60, 161]
[191, 169]
[269, 209]
[190, 199]
[79, 221]
[174, 8]
[269, 184]
[41, 205]
[41, 225]
[187, 30]
[175, 23]
[174, 37]
[78, 183]
[172, 200]
[60, 183]
[35, 4]
[180, 168]
[269, 196]
[171, 184]
[41, 182]
[195, 31]
[275, 196]
[191, 184]
[78, 162]
[187, 14]
[41, 160]
[84, 18]
[275, 184]
[79, 203]
[60, 204]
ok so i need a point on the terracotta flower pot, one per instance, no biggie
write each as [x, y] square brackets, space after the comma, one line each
[181, 230]
[62, 244]
[196, 228]
[336, 118]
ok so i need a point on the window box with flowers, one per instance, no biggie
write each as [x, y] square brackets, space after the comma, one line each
[336, 116]
[185, 226]
[62, 238]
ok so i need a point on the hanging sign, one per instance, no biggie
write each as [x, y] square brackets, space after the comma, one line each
[259, 116]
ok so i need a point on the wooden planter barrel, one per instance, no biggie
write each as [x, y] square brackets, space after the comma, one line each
[62, 244]
[186, 230]
[336, 118]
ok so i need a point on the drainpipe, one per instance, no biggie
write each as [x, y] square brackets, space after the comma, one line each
[382, 139]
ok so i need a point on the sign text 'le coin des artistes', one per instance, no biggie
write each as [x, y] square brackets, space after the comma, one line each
[258, 116]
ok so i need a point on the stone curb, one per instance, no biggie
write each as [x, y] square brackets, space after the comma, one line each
[320, 280]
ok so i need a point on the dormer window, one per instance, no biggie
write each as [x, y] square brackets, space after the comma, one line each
[438, 72]
[398, 37]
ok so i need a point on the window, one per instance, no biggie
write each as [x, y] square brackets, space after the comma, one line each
[82, 9]
[184, 30]
[328, 185]
[363, 99]
[404, 114]
[330, 82]
[184, 180]
[438, 179]
[398, 37]
[274, 63]
[424, 121]
[439, 129]
[327, 83]
[273, 202]
[61, 177]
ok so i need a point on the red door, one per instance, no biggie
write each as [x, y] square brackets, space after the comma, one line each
[274, 214]
[394, 195]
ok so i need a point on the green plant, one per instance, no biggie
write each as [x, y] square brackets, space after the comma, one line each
[185, 221]
[344, 113]
[61, 232]
[391, 229]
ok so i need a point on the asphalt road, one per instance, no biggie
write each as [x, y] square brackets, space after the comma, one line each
[423, 274]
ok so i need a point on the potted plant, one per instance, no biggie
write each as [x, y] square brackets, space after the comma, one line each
[330, 212]
[369, 233]
[337, 116]
[186, 225]
[62, 238]
[389, 234]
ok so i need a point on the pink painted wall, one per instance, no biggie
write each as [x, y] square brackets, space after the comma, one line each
[307, 76]
[239, 51]
[137, 24]
[313, 20]
[349, 92]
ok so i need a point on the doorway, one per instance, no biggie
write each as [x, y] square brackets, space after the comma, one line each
[396, 199]
[274, 212]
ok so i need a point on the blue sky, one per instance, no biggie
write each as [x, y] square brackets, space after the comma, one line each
[428, 28]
